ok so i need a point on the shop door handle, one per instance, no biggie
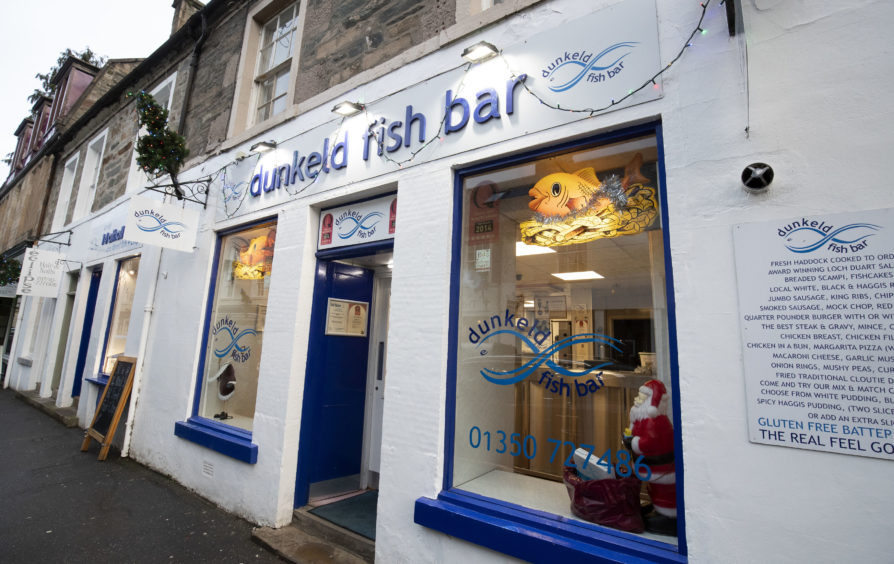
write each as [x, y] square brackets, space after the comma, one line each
[381, 361]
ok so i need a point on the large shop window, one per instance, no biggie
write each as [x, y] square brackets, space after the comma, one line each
[234, 333]
[122, 305]
[564, 379]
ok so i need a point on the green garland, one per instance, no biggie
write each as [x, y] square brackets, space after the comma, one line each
[9, 271]
[160, 150]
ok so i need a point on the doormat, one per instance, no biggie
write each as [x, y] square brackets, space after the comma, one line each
[356, 513]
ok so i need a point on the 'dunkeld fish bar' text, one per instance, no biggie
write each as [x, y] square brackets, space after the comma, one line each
[383, 137]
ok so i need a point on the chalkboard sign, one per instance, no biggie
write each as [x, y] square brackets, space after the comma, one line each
[111, 405]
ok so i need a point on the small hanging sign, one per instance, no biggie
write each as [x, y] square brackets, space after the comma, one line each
[164, 225]
[41, 272]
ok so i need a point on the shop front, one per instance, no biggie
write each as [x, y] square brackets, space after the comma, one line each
[499, 300]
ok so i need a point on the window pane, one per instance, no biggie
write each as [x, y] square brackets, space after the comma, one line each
[124, 293]
[230, 379]
[562, 327]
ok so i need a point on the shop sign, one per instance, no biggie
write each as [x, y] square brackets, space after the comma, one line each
[588, 64]
[816, 307]
[41, 273]
[364, 222]
[163, 225]
[110, 234]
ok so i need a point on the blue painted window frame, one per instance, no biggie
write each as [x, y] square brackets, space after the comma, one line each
[225, 439]
[519, 531]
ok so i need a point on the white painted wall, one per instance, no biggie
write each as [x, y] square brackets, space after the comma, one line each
[816, 97]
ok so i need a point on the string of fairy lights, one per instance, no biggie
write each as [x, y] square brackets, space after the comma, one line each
[232, 192]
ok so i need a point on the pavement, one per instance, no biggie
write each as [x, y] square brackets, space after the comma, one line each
[58, 504]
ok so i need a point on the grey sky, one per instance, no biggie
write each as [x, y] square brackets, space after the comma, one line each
[33, 32]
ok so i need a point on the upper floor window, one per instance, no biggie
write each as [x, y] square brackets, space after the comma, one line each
[90, 176]
[274, 61]
[68, 178]
[268, 64]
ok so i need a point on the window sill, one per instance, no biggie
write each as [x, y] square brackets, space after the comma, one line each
[24, 360]
[534, 536]
[100, 380]
[230, 441]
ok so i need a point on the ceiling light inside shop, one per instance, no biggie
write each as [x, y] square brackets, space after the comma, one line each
[347, 108]
[572, 276]
[524, 250]
[480, 51]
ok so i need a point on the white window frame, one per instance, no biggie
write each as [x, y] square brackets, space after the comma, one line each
[64, 199]
[136, 178]
[92, 168]
[245, 103]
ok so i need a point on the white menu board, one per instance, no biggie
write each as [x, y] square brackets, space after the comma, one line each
[816, 308]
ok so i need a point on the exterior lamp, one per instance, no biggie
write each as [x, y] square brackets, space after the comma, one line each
[347, 108]
[263, 146]
[480, 51]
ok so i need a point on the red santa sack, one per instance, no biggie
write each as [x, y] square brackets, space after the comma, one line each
[610, 502]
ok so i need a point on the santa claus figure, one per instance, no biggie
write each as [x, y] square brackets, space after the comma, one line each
[652, 437]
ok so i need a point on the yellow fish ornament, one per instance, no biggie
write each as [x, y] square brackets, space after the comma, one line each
[561, 193]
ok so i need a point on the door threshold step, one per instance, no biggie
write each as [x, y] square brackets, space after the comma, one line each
[308, 539]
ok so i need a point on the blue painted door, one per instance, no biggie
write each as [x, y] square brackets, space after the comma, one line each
[331, 441]
[95, 277]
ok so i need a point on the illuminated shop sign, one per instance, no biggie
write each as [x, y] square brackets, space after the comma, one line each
[596, 63]
[387, 136]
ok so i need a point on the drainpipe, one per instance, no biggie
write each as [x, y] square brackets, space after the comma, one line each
[141, 356]
[193, 65]
[150, 299]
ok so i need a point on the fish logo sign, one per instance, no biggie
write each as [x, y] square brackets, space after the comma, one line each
[508, 377]
[230, 336]
[570, 68]
[806, 236]
[352, 223]
[151, 222]
[533, 336]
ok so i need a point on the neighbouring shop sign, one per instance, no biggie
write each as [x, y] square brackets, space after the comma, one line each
[364, 222]
[41, 273]
[164, 225]
[816, 306]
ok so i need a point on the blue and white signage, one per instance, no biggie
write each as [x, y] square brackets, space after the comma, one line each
[41, 273]
[816, 306]
[590, 63]
[365, 222]
[163, 225]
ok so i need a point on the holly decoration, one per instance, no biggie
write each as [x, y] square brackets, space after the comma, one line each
[160, 150]
[9, 271]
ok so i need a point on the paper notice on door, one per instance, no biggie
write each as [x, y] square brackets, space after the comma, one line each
[347, 318]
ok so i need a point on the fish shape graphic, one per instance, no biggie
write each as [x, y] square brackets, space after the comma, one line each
[562, 193]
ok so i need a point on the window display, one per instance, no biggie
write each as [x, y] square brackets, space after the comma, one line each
[236, 329]
[116, 335]
[563, 370]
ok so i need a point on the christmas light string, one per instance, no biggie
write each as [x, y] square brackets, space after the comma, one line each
[439, 136]
[594, 111]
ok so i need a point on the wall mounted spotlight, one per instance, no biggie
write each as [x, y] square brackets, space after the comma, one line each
[347, 108]
[757, 177]
[480, 51]
[263, 146]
